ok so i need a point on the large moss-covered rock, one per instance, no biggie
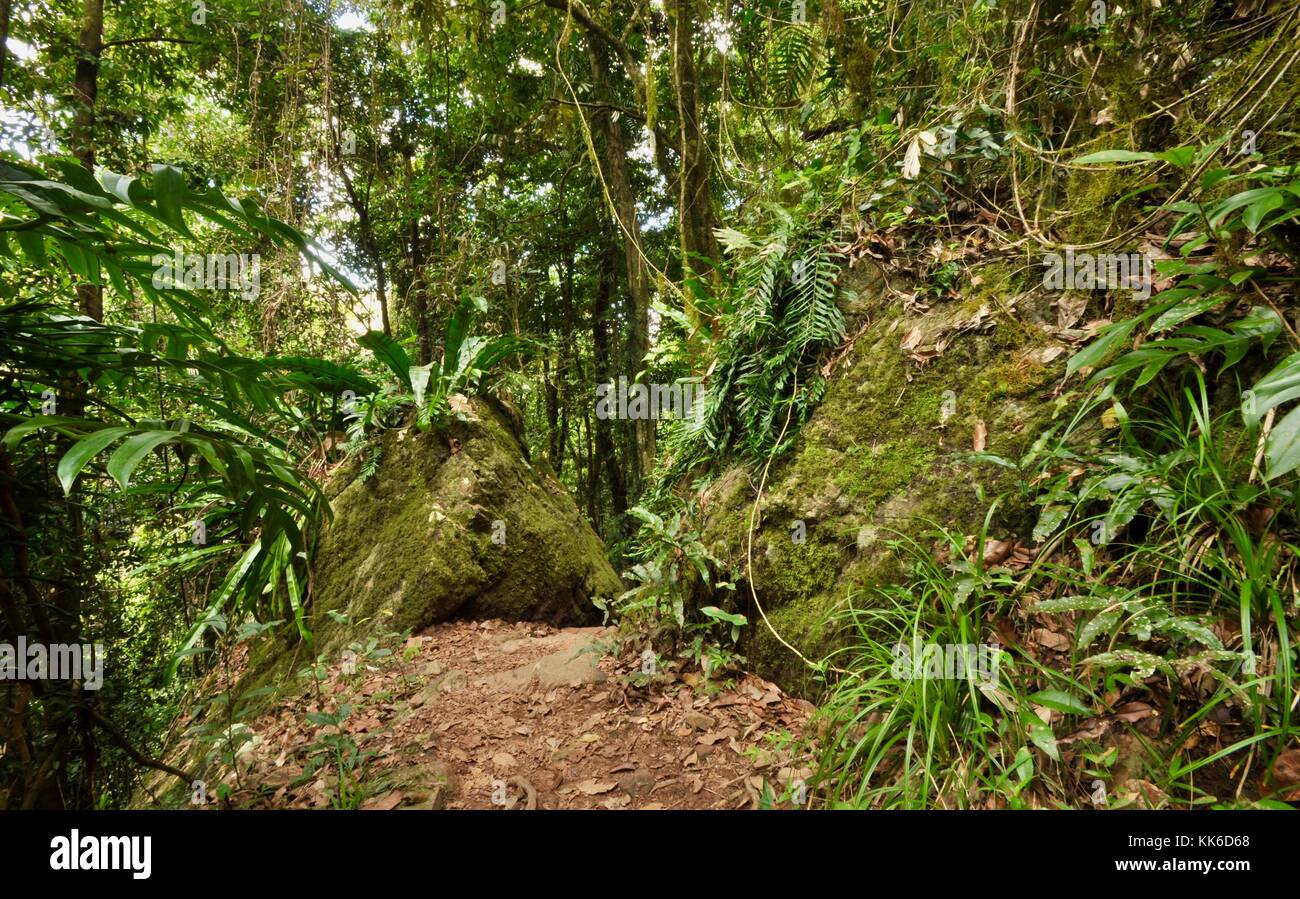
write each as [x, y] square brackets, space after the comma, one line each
[455, 521]
[886, 454]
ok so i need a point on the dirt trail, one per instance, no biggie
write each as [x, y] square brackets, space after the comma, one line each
[484, 714]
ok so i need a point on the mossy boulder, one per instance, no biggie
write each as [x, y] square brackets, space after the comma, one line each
[887, 455]
[455, 521]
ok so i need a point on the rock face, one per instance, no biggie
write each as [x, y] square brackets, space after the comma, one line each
[455, 521]
[886, 455]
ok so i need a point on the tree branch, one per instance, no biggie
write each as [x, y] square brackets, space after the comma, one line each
[136, 755]
[145, 40]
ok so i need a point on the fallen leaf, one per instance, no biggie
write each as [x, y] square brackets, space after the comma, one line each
[385, 803]
[912, 159]
[1286, 770]
[1133, 712]
[1050, 639]
[593, 787]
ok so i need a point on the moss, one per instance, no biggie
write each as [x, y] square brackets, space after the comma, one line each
[1096, 197]
[880, 459]
[810, 624]
[803, 569]
[1280, 144]
[456, 522]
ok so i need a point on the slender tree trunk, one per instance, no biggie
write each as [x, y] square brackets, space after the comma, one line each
[615, 171]
[605, 452]
[417, 290]
[369, 244]
[593, 471]
[85, 90]
[72, 725]
[381, 289]
[420, 295]
[551, 396]
[695, 211]
[565, 373]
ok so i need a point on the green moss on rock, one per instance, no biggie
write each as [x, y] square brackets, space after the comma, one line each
[456, 521]
[886, 455]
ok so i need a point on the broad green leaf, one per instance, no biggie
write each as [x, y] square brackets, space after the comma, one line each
[33, 246]
[132, 452]
[59, 422]
[1183, 311]
[418, 377]
[1040, 733]
[82, 452]
[1061, 701]
[169, 194]
[719, 615]
[390, 353]
[1256, 211]
[1179, 156]
[1282, 449]
[1049, 520]
[1235, 202]
[1280, 385]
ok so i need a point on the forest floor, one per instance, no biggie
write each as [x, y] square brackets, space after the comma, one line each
[491, 714]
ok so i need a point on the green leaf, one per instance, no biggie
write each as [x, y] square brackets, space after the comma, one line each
[121, 186]
[1061, 701]
[1049, 520]
[82, 452]
[1102, 623]
[132, 452]
[169, 193]
[1115, 156]
[223, 594]
[457, 328]
[1283, 446]
[1041, 734]
[1108, 339]
[389, 352]
[1183, 311]
[15, 434]
[33, 246]
[1179, 156]
[1236, 201]
[718, 615]
[1280, 385]
[418, 377]
[1256, 211]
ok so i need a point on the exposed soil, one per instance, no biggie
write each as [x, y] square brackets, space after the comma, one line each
[489, 714]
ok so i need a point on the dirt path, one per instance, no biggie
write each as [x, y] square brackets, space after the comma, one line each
[484, 714]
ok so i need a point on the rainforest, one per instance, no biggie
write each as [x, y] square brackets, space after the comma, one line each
[649, 404]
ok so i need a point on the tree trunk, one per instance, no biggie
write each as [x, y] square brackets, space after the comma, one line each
[369, 244]
[605, 453]
[696, 217]
[85, 90]
[615, 171]
[551, 394]
[420, 298]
